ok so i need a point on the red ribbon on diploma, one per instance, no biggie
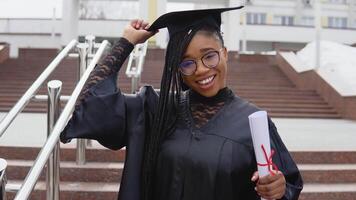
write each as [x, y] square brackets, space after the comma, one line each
[270, 164]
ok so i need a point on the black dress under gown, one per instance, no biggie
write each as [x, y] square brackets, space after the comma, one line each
[210, 154]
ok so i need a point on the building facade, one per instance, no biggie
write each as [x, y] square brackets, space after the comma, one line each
[263, 25]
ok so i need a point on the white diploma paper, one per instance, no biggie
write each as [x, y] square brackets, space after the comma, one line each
[260, 136]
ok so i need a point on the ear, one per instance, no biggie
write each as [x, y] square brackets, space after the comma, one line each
[225, 54]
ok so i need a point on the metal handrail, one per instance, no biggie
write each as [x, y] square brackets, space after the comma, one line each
[52, 140]
[135, 64]
[25, 99]
[52, 174]
[3, 180]
[138, 53]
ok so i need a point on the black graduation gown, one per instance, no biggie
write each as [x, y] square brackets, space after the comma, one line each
[213, 162]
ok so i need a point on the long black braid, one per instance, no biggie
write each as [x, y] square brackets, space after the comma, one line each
[166, 113]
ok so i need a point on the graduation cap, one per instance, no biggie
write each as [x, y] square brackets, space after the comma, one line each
[186, 20]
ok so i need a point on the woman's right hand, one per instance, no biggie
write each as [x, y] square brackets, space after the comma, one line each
[136, 32]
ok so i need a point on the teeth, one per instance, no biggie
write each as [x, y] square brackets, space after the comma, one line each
[206, 81]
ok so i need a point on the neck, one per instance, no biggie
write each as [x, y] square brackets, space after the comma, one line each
[222, 95]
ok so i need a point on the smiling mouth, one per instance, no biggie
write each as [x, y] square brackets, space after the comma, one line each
[206, 81]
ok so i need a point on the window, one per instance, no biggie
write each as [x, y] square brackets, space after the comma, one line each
[108, 9]
[283, 20]
[307, 3]
[307, 21]
[256, 18]
[337, 22]
[338, 1]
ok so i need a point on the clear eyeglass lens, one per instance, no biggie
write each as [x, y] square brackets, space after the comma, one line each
[187, 67]
[211, 59]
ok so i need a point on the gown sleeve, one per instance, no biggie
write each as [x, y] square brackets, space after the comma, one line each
[102, 112]
[285, 163]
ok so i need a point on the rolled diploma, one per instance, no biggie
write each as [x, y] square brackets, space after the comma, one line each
[260, 135]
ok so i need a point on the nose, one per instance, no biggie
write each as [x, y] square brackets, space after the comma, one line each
[201, 68]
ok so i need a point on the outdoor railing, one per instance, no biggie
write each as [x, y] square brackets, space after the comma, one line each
[135, 65]
[55, 122]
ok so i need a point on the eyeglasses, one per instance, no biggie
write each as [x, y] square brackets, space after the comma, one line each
[210, 60]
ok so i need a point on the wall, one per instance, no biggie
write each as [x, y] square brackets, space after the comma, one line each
[310, 80]
[4, 52]
[45, 33]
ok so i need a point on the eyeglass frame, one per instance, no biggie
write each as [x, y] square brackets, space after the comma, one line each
[201, 59]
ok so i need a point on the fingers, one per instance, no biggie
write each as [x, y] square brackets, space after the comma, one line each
[270, 178]
[145, 25]
[255, 176]
[271, 186]
[139, 24]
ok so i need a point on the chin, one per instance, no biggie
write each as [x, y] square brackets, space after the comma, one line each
[207, 93]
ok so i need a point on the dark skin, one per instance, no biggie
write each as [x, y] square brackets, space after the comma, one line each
[270, 187]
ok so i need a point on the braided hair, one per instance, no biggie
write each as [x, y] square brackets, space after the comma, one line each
[169, 99]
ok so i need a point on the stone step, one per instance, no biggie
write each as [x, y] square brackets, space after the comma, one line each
[305, 115]
[97, 153]
[324, 157]
[74, 190]
[328, 173]
[329, 192]
[302, 110]
[274, 105]
[67, 153]
[70, 171]
[111, 172]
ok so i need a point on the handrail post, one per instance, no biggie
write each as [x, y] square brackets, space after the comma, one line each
[52, 177]
[83, 58]
[3, 180]
[133, 84]
[90, 40]
[135, 65]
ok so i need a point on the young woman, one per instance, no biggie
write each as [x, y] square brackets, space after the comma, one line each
[192, 141]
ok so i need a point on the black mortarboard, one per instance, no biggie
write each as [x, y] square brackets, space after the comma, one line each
[186, 20]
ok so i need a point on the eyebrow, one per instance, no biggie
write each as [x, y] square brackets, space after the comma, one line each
[203, 50]
[206, 49]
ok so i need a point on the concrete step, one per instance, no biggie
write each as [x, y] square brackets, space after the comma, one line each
[67, 153]
[111, 172]
[101, 154]
[285, 101]
[329, 192]
[70, 171]
[328, 173]
[302, 110]
[74, 190]
[324, 157]
[274, 105]
[305, 115]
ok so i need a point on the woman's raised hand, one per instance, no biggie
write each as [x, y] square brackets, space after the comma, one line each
[136, 32]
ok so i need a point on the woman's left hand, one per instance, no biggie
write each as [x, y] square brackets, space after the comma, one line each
[270, 186]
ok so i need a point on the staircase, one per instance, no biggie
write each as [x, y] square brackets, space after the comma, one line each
[327, 175]
[258, 79]
[255, 78]
[98, 179]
